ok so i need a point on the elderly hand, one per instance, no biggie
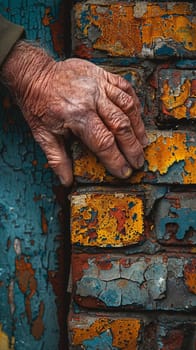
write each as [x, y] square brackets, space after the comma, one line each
[77, 96]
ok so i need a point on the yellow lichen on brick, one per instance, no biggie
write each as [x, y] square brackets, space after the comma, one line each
[177, 28]
[124, 332]
[89, 166]
[106, 219]
[126, 38]
[165, 151]
[127, 30]
[175, 100]
[171, 100]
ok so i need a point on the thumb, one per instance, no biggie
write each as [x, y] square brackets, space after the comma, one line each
[54, 149]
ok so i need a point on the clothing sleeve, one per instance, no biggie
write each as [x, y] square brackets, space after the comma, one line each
[9, 34]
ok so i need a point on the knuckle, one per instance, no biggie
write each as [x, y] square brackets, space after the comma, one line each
[121, 125]
[105, 141]
[123, 82]
[126, 101]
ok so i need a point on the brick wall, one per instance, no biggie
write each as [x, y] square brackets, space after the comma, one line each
[133, 242]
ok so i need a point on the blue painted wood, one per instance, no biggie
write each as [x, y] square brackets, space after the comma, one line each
[29, 224]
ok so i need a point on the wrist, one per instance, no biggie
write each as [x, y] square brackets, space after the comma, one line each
[25, 72]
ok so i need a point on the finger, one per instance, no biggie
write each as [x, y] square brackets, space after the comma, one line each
[54, 149]
[121, 83]
[128, 104]
[102, 143]
[120, 125]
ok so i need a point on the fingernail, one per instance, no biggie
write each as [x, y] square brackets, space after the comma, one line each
[126, 171]
[140, 161]
[145, 141]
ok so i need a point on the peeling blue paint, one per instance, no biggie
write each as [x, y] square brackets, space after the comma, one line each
[184, 219]
[25, 189]
[104, 341]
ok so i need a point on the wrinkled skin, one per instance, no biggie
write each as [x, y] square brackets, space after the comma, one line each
[77, 96]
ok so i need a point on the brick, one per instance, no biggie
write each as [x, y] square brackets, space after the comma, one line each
[175, 219]
[107, 281]
[89, 331]
[170, 159]
[106, 219]
[177, 94]
[141, 331]
[179, 334]
[141, 219]
[135, 29]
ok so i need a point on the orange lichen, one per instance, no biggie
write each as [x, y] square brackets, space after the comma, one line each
[127, 30]
[172, 101]
[190, 276]
[124, 332]
[106, 219]
[88, 164]
[165, 151]
[175, 27]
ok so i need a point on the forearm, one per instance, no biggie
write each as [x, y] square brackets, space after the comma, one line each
[24, 70]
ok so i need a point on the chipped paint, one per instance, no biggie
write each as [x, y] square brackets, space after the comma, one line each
[31, 307]
[106, 219]
[170, 156]
[178, 93]
[120, 333]
[175, 221]
[168, 150]
[147, 30]
[56, 24]
[135, 282]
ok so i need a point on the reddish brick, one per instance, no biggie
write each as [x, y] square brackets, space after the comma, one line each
[139, 29]
[106, 218]
[145, 282]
